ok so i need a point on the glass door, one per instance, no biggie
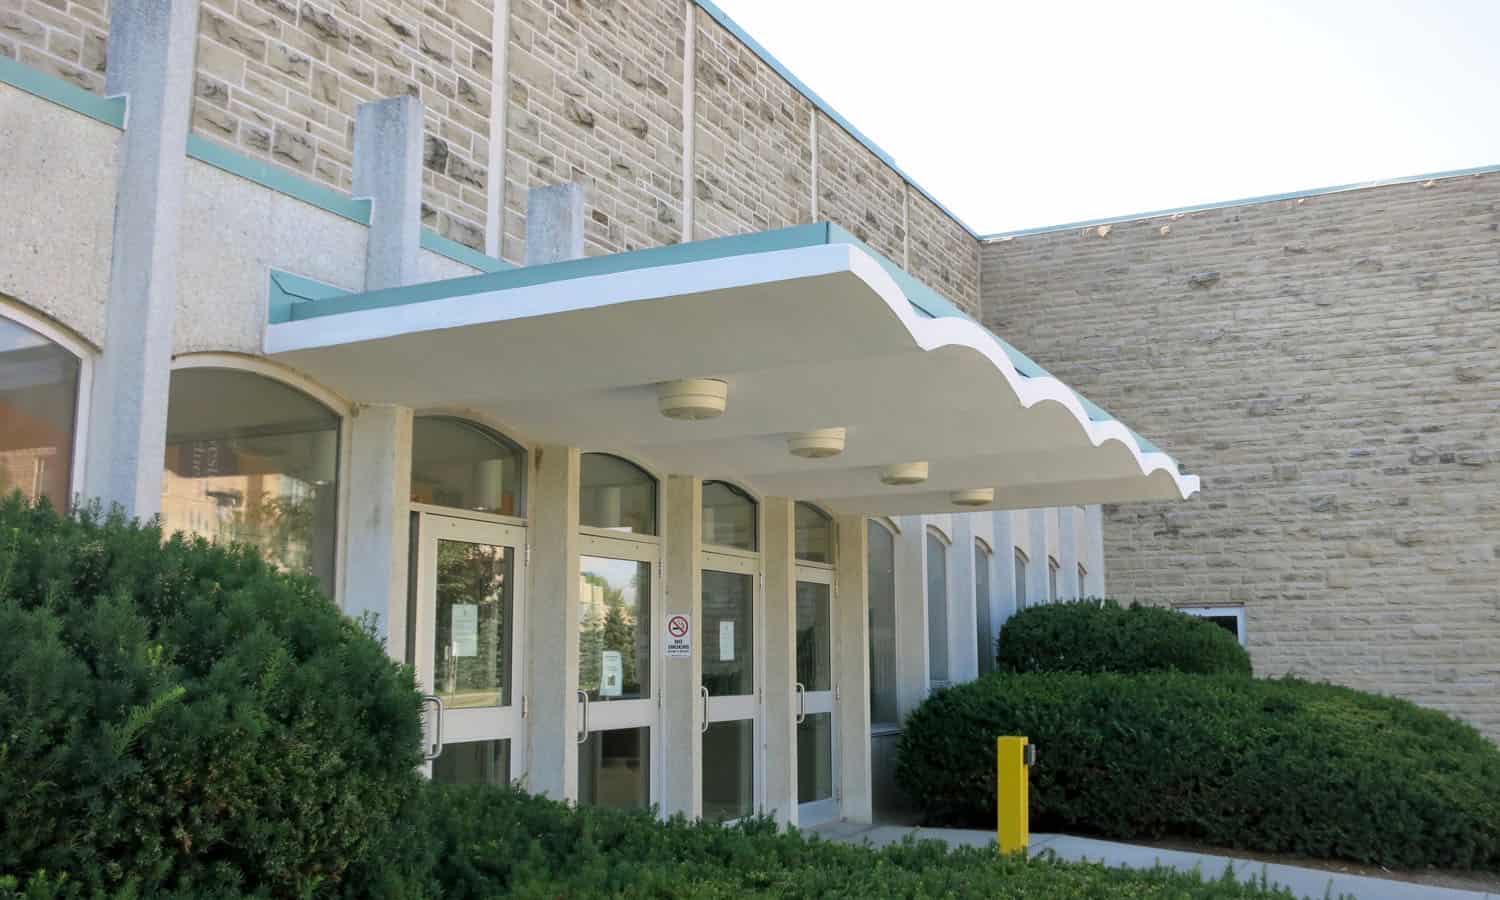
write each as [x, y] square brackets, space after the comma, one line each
[465, 623]
[731, 688]
[816, 697]
[616, 679]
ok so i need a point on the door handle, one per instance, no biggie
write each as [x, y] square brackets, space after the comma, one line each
[703, 692]
[583, 716]
[435, 748]
[801, 702]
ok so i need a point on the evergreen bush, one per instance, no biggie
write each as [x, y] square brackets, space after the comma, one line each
[177, 717]
[1272, 765]
[1103, 636]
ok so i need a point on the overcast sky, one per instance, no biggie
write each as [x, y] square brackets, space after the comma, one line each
[1022, 114]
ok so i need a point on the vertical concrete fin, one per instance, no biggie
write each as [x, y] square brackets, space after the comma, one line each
[1069, 554]
[388, 170]
[378, 526]
[781, 658]
[151, 62]
[554, 223]
[851, 665]
[681, 708]
[552, 624]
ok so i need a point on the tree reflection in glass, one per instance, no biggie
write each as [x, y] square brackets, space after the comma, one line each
[475, 596]
[614, 628]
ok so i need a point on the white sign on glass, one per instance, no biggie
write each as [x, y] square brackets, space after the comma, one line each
[465, 629]
[611, 674]
[726, 641]
[679, 637]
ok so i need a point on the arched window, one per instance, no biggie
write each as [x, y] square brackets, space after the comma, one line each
[1052, 570]
[616, 494]
[814, 538]
[882, 587]
[1021, 561]
[38, 411]
[982, 619]
[464, 465]
[937, 607]
[253, 460]
[728, 516]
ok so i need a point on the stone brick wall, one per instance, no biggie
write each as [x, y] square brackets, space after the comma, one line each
[280, 80]
[65, 38]
[752, 149]
[943, 253]
[1331, 367]
[859, 192]
[596, 96]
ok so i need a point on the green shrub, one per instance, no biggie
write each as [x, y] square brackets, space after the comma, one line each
[1271, 765]
[178, 718]
[1102, 636]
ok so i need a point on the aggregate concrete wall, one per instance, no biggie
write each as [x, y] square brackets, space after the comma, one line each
[1330, 366]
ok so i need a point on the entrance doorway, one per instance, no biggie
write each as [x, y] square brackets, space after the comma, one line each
[465, 623]
[732, 782]
[816, 697]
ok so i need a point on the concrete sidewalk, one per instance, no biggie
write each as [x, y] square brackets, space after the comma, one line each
[1311, 883]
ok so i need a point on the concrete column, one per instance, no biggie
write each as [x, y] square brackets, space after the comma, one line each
[151, 46]
[1068, 553]
[1037, 549]
[851, 665]
[1003, 588]
[554, 224]
[781, 658]
[552, 624]
[911, 614]
[963, 618]
[1094, 531]
[681, 703]
[388, 170]
[378, 532]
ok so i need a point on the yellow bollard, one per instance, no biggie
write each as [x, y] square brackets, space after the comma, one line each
[1014, 757]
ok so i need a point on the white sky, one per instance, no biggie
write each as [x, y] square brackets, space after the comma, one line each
[1040, 112]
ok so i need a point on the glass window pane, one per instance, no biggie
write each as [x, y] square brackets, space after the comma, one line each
[882, 575]
[728, 634]
[937, 608]
[1020, 580]
[729, 770]
[473, 762]
[814, 632]
[1051, 580]
[462, 465]
[252, 460]
[814, 534]
[614, 628]
[38, 404]
[982, 609]
[614, 769]
[815, 758]
[728, 516]
[616, 494]
[475, 597]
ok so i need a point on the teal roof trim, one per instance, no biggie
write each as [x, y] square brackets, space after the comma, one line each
[463, 253]
[733, 27]
[109, 110]
[286, 289]
[278, 179]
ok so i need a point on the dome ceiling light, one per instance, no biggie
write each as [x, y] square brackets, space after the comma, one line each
[692, 398]
[820, 443]
[973, 497]
[904, 473]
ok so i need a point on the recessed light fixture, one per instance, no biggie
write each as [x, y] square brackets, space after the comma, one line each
[692, 398]
[973, 497]
[904, 473]
[820, 443]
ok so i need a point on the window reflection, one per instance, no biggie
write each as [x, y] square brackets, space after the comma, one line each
[814, 534]
[38, 401]
[463, 465]
[728, 516]
[616, 494]
[614, 628]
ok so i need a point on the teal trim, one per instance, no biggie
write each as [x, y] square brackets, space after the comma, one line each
[109, 110]
[286, 290]
[278, 179]
[1246, 201]
[462, 253]
[730, 25]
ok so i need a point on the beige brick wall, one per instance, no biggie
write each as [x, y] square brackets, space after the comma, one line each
[596, 97]
[943, 253]
[65, 38]
[859, 192]
[1331, 367]
[752, 160]
[280, 80]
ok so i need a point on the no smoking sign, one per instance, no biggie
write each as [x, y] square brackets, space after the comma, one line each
[679, 636]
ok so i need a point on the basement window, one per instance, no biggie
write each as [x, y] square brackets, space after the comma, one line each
[1229, 618]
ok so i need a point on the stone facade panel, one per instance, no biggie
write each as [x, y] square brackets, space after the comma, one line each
[943, 253]
[1328, 366]
[859, 192]
[66, 38]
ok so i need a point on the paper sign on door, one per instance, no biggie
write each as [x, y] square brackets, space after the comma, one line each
[726, 641]
[465, 629]
[611, 674]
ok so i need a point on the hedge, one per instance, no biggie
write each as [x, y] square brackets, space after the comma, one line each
[1270, 765]
[177, 716]
[1103, 636]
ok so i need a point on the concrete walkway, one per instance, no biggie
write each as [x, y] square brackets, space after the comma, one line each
[1311, 883]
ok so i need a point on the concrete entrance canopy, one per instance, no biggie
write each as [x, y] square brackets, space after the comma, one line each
[810, 328]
